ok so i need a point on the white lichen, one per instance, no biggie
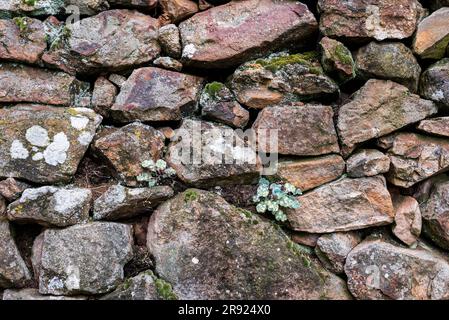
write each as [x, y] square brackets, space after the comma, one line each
[37, 136]
[85, 138]
[56, 152]
[189, 51]
[68, 200]
[79, 122]
[34, 194]
[38, 156]
[18, 151]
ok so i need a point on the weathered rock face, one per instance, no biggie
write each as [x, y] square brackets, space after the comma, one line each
[432, 35]
[33, 294]
[343, 205]
[332, 249]
[220, 156]
[119, 202]
[337, 60]
[416, 157]
[44, 144]
[434, 83]
[2, 207]
[19, 83]
[170, 40]
[407, 219]
[377, 269]
[310, 173]
[153, 94]
[282, 78]
[359, 20]
[168, 63]
[112, 40]
[103, 96]
[126, 148]
[218, 103]
[189, 252]
[11, 189]
[36, 8]
[230, 34]
[389, 61]
[378, 108]
[13, 270]
[52, 206]
[82, 259]
[436, 126]
[138, 4]
[177, 10]
[367, 163]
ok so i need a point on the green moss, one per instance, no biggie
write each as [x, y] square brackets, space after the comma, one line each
[213, 88]
[21, 23]
[190, 195]
[164, 290]
[309, 59]
[343, 54]
[127, 284]
[29, 2]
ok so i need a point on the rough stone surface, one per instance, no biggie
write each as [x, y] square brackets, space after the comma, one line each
[337, 60]
[170, 40]
[343, 205]
[11, 189]
[189, 234]
[367, 163]
[389, 61]
[168, 63]
[119, 202]
[378, 108]
[177, 10]
[52, 206]
[434, 83]
[127, 147]
[82, 259]
[364, 19]
[33, 294]
[140, 287]
[2, 207]
[312, 123]
[435, 126]
[154, 94]
[103, 96]
[44, 144]
[230, 34]
[19, 7]
[407, 219]
[310, 173]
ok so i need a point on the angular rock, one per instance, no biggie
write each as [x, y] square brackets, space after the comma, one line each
[337, 60]
[22, 39]
[310, 173]
[119, 202]
[117, 79]
[103, 96]
[333, 248]
[33, 294]
[220, 156]
[170, 40]
[377, 269]
[19, 83]
[87, 7]
[378, 108]
[432, 36]
[13, 270]
[31, 8]
[302, 130]
[153, 94]
[307, 239]
[82, 259]
[126, 148]
[44, 144]
[388, 61]
[436, 126]
[238, 31]
[218, 103]
[52, 206]
[360, 20]
[282, 78]
[209, 249]
[2, 207]
[367, 163]
[416, 157]
[434, 83]
[112, 40]
[168, 63]
[11, 189]
[174, 11]
[343, 205]
[407, 219]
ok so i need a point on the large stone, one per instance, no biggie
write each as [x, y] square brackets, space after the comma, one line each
[44, 144]
[337, 60]
[310, 173]
[124, 149]
[434, 83]
[111, 40]
[238, 31]
[119, 202]
[407, 219]
[377, 269]
[170, 40]
[343, 205]
[378, 108]
[435, 126]
[11, 189]
[367, 163]
[177, 10]
[389, 61]
[207, 154]
[432, 36]
[19, 83]
[209, 249]
[153, 94]
[302, 130]
[33, 294]
[282, 78]
[13, 270]
[82, 259]
[22, 39]
[52, 206]
[364, 19]
[32, 8]
[416, 157]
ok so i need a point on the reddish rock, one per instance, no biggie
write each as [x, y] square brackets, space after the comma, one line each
[175, 11]
[436, 126]
[168, 63]
[238, 31]
[103, 96]
[337, 60]
[153, 94]
[367, 163]
[11, 189]
[304, 238]
[407, 219]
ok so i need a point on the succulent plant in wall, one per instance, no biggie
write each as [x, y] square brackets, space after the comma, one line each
[155, 172]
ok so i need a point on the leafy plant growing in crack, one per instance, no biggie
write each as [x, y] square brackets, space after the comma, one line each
[155, 172]
[272, 197]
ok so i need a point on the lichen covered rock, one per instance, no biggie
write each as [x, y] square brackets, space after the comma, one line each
[434, 83]
[337, 60]
[435, 126]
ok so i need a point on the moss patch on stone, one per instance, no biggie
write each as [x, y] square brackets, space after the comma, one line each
[343, 54]
[31, 3]
[213, 88]
[309, 59]
[164, 290]
[190, 195]
[21, 23]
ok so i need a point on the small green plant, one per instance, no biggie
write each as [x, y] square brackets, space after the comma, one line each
[190, 195]
[156, 172]
[213, 88]
[21, 23]
[274, 196]
[29, 2]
